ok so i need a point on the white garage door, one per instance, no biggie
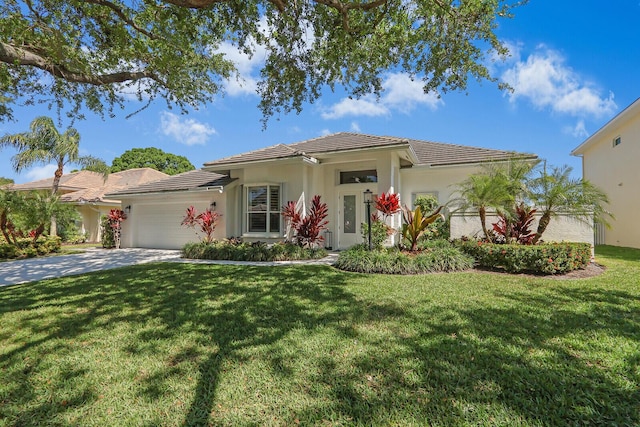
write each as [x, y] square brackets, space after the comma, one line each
[158, 226]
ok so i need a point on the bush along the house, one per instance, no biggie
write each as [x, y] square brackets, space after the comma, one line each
[440, 256]
[236, 250]
[543, 258]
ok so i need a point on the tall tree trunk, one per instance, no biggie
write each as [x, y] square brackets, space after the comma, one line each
[483, 219]
[542, 226]
[53, 231]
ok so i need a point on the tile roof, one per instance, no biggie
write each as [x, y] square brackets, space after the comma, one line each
[68, 182]
[427, 153]
[441, 154]
[192, 180]
[86, 186]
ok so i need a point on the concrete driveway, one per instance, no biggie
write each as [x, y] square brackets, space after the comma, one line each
[33, 269]
[95, 259]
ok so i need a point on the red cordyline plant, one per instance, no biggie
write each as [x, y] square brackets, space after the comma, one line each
[115, 218]
[206, 221]
[524, 216]
[388, 204]
[307, 229]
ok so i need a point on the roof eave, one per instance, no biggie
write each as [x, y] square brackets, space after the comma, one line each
[620, 117]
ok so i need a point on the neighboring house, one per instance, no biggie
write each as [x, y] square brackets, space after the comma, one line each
[86, 190]
[250, 189]
[610, 160]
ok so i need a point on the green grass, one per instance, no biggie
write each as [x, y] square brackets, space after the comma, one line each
[192, 344]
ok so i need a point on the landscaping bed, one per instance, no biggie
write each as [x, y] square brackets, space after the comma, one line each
[435, 256]
[255, 251]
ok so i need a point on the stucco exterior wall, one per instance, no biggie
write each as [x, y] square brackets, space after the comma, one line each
[560, 229]
[616, 170]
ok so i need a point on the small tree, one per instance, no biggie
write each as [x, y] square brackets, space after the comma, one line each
[206, 221]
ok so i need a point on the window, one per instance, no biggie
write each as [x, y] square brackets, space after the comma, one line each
[263, 209]
[356, 177]
[617, 141]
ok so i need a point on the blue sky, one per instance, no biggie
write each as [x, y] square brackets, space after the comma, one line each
[572, 69]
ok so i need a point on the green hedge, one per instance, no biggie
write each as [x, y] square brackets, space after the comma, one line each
[441, 257]
[545, 258]
[256, 251]
[27, 248]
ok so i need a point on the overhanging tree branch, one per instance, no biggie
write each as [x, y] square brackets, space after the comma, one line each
[17, 56]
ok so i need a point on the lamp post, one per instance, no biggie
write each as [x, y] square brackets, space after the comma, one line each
[367, 201]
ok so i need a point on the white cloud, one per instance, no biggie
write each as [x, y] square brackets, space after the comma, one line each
[244, 83]
[403, 93]
[400, 93]
[547, 82]
[355, 127]
[42, 172]
[366, 106]
[325, 132]
[185, 131]
[577, 131]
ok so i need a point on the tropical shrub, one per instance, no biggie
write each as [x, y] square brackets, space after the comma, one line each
[108, 240]
[307, 230]
[440, 228]
[29, 248]
[388, 204]
[545, 258]
[255, 251]
[114, 220]
[443, 257]
[516, 226]
[416, 224]
[206, 222]
[380, 231]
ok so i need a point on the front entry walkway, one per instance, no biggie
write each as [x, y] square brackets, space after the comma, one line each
[34, 269]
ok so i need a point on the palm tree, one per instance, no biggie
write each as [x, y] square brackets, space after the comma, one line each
[513, 177]
[44, 144]
[557, 193]
[480, 192]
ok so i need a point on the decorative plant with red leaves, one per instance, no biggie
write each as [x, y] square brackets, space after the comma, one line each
[524, 216]
[292, 218]
[307, 229]
[388, 204]
[115, 219]
[207, 221]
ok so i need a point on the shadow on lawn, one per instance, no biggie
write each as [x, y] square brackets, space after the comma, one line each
[427, 362]
[617, 252]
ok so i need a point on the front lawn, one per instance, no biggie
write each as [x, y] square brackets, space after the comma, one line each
[193, 344]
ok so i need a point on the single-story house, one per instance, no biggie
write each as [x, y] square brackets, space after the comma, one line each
[86, 190]
[610, 160]
[249, 189]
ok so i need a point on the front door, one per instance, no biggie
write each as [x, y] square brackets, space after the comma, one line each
[350, 216]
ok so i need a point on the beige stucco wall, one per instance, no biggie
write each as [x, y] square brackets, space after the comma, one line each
[616, 170]
[560, 229]
[91, 214]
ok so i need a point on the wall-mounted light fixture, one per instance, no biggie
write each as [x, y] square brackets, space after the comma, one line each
[127, 209]
[213, 205]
